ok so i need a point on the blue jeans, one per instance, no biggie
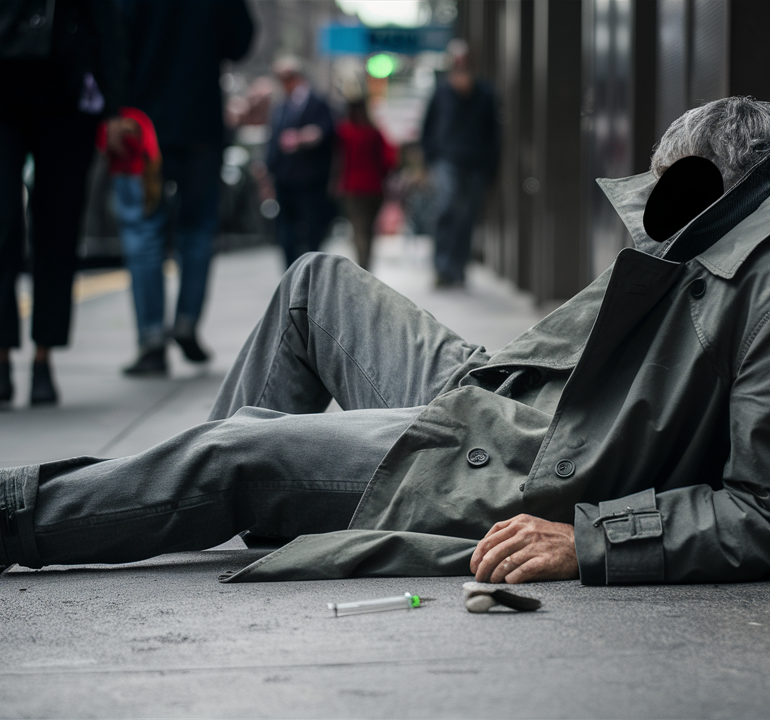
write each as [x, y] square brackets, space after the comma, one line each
[459, 196]
[193, 211]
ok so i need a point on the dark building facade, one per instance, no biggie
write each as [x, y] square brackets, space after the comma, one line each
[586, 88]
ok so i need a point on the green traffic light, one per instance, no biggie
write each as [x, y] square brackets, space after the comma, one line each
[380, 66]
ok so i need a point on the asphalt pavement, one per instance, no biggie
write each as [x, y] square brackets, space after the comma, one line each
[162, 638]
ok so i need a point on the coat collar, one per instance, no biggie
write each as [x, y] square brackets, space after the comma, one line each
[629, 196]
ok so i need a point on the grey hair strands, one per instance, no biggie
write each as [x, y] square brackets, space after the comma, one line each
[733, 133]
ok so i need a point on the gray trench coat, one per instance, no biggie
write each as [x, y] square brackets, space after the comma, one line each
[639, 411]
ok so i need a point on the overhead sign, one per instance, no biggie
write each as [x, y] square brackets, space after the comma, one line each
[335, 39]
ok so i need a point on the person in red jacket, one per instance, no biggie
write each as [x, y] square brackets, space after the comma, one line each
[366, 159]
[140, 159]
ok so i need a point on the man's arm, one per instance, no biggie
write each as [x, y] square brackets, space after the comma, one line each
[688, 534]
[696, 533]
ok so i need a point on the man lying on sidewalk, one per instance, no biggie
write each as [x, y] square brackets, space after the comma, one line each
[624, 438]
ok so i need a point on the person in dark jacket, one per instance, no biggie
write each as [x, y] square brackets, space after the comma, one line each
[175, 50]
[299, 157]
[61, 71]
[460, 140]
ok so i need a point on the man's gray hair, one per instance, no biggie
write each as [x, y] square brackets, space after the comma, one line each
[733, 133]
[288, 66]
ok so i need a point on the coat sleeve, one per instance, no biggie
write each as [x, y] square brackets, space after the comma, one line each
[697, 533]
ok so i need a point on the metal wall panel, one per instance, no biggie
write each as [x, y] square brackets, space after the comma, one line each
[558, 248]
[607, 122]
[749, 49]
[710, 37]
[586, 90]
[527, 184]
[693, 56]
[673, 62]
[509, 88]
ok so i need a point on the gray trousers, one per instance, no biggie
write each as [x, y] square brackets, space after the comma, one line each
[269, 458]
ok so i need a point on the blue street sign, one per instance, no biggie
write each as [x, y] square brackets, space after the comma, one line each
[336, 39]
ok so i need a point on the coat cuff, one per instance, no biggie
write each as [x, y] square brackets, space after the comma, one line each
[620, 541]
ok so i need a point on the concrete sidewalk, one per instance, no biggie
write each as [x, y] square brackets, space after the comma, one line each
[105, 414]
[163, 638]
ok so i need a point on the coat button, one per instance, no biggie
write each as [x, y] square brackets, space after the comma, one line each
[565, 468]
[698, 288]
[478, 457]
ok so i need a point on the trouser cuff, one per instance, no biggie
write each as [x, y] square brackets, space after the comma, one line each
[18, 492]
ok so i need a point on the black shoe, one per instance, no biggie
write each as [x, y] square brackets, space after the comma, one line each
[149, 362]
[43, 391]
[190, 347]
[446, 283]
[6, 386]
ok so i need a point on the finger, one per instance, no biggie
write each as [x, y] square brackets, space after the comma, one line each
[500, 525]
[518, 556]
[533, 569]
[497, 556]
[499, 532]
[491, 539]
[531, 566]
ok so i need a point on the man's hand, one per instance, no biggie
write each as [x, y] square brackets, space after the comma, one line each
[526, 549]
[292, 139]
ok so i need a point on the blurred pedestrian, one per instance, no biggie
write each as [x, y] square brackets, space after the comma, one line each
[175, 49]
[299, 157]
[61, 70]
[460, 142]
[366, 159]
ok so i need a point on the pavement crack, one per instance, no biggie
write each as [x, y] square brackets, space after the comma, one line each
[143, 416]
[266, 667]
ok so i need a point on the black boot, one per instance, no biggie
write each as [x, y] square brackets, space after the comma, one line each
[190, 347]
[150, 362]
[6, 386]
[43, 391]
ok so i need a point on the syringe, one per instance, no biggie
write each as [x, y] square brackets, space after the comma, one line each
[407, 601]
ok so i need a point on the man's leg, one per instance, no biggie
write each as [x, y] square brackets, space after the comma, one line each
[12, 154]
[444, 178]
[334, 330]
[466, 203]
[315, 211]
[362, 212]
[281, 474]
[57, 204]
[198, 220]
[143, 242]
[286, 222]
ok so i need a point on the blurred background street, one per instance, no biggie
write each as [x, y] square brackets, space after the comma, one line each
[106, 414]
[571, 90]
